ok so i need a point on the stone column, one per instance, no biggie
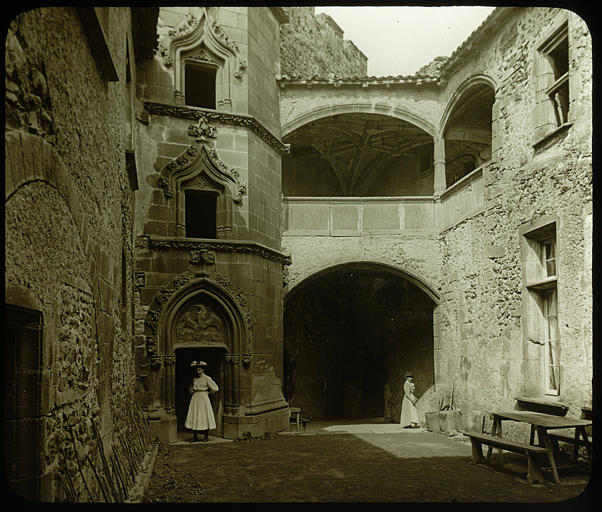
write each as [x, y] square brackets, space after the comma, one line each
[169, 361]
[439, 165]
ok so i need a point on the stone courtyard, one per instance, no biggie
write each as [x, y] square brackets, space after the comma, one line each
[344, 462]
[228, 185]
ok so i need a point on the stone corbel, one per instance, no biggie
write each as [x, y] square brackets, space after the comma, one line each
[169, 359]
[179, 98]
[156, 362]
[233, 359]
[139, 279]
[246, 360]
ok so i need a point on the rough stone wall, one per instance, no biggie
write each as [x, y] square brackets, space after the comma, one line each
[66, 228]
[314, 46]
[482, 334]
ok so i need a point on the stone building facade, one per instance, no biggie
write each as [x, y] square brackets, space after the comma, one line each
[217, 184]
[473, 177]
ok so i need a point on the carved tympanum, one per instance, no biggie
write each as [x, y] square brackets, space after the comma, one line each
[199, 323]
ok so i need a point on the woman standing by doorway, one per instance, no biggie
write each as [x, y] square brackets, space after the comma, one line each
[409, 413]
[200, 412]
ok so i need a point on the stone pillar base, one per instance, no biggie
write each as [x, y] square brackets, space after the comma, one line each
[164, 429]
[257, 425]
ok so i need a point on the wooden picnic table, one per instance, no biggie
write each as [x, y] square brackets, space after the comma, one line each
[542, 423]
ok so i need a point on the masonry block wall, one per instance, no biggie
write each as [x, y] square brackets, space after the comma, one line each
[487, 349]
[68, 253]
[245, 257]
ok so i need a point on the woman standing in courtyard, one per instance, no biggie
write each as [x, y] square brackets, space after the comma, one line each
[200, 413]
[409, 413]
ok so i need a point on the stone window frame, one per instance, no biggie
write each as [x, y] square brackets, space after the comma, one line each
[550, 117]
[200, 168]
[206, 43]
[539, 288]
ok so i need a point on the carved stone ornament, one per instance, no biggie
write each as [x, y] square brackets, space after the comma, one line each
[254, 248]
[202, 130]
[139, 279]
[226, 118]
[156, 362]
[200, 324]
[200, 158]
[202, 318]
[202, 257]
[246, 360]
[232, 359]
[169, 359]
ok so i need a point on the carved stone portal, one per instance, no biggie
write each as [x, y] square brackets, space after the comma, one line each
[200, 324]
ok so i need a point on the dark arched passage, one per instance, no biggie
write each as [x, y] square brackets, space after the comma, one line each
[349, 333]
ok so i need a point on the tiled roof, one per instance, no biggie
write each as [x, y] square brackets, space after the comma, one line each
[355, 80]
[431, 73]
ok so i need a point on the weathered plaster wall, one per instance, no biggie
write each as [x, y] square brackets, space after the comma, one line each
[67, 225]
[482, 333]
[417, 104]
[314, 46]
[416, 254]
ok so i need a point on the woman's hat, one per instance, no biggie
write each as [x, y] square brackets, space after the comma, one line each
[409, 374]
[202, 364]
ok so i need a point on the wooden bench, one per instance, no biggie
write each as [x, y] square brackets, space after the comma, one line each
[533, 470]
[556, 437]
[295, 417]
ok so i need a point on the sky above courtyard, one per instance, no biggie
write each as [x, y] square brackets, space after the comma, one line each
[400, 40]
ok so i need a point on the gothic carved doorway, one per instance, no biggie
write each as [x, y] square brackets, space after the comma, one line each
[200, 332]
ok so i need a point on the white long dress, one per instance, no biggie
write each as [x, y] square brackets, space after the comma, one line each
[200, 413]
[409, 413]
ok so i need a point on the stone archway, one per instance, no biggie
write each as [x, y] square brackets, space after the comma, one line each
[350, 331]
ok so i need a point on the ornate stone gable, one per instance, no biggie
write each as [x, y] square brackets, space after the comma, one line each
[210, 323]
[201, 158]
[201, 38]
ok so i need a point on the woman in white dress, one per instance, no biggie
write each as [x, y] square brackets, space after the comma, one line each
[200, 413]
[409, 413]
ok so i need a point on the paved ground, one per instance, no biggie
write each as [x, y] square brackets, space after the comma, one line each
[345, 463]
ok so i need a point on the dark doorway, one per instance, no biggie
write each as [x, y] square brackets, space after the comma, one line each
[23, 409]
[349, 334]
[214, 357]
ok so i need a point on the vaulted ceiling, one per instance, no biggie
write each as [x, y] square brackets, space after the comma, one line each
[358, 147]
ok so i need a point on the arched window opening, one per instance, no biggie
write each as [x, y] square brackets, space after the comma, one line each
[467, 133]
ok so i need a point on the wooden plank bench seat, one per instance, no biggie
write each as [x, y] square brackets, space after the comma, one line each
[533, 470]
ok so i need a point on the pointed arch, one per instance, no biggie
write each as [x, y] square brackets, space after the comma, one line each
[200, 167]
[205, 41]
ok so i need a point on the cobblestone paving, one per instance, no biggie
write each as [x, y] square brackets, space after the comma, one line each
[324, 466]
